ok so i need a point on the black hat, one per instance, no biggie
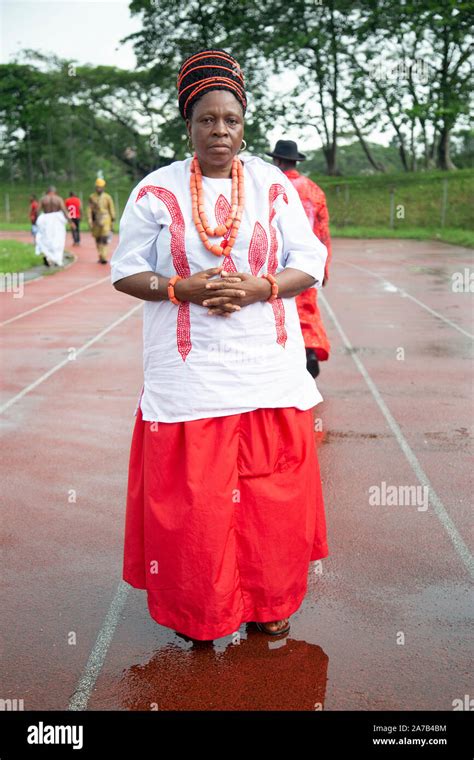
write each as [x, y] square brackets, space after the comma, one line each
[287, 149]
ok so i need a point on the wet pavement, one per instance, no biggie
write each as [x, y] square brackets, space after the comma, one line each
[385, 622]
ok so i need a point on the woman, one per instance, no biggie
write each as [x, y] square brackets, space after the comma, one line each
[224, 505]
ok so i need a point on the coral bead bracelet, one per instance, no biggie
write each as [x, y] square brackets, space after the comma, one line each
[173, 280]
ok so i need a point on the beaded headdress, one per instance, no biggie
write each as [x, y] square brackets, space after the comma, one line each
[208, 70]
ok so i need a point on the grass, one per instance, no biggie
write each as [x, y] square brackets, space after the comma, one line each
[419, 200]
[359, 207]
[396, 179]
[15, 226]
[444, 234]
[415, 204]
[17, 257]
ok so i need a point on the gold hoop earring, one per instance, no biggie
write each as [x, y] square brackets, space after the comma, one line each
[244, 147]
[190, 145]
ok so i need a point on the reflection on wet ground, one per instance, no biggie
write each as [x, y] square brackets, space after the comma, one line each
[254, 674]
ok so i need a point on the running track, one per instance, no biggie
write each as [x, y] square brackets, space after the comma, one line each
[75, 636]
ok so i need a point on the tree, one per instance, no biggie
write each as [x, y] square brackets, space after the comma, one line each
[57, 116]
[267, 38]
[332, 46]
[434, 36]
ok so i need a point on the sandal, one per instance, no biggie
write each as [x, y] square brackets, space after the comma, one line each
[261, 627]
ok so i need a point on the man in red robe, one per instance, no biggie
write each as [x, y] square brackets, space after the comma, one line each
[285, 155]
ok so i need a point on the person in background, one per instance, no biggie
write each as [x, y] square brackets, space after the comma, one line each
[101, 217]
[51, 228]
[285, 155]
[73, 205]
[34, 210]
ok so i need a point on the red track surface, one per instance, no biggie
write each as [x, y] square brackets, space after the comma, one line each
[392, 570]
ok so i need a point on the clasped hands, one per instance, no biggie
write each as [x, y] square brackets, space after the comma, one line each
[224, 295]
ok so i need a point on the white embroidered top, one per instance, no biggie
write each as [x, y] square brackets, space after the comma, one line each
[197, 365]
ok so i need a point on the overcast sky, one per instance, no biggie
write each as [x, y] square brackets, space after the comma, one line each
[89, 31]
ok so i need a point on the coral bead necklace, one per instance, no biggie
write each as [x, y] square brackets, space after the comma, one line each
[232, 222]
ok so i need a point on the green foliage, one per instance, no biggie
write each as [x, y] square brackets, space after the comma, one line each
[464, 238]
[352, 201]
[417, 200]
[64, 122]
[335, 48]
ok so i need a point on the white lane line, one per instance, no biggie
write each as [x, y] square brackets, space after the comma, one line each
[439, 508]
[59, 366]
[394, 288]
[86, 683]
[55, 300]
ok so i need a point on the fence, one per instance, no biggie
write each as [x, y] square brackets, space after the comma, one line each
[15, 203]
[436, 203]
[419, 202]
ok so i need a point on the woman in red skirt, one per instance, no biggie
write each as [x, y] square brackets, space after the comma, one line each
[224, 504]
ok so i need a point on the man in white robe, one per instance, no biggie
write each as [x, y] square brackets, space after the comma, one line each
[51, 228]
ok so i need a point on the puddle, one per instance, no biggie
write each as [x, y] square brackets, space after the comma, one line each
[352, 434]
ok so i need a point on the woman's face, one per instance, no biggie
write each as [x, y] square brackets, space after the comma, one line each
[216, 129]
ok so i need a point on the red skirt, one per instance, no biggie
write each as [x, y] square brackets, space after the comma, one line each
[223, 516]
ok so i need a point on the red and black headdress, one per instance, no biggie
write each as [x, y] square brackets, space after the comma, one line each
[208, 70]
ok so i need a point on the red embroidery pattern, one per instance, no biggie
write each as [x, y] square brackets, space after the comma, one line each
[258, 249]
[277, 305]
[180, 260]
[221, 212]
